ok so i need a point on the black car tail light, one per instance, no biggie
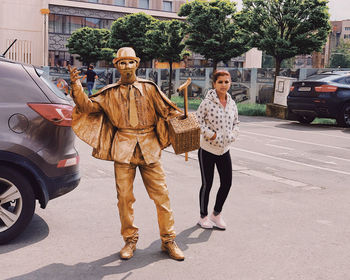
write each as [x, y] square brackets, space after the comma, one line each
[291, 88]
[326, 88]
[58, 114]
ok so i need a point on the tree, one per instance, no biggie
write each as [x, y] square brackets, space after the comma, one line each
[341, 56]
[286, 28]
[213, 30]
[130, 31]
[268, 61]
[87, 43]
[107, 54]
[165, 42]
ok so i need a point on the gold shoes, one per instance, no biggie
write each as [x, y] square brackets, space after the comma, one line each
[173, 250]
[128, 250]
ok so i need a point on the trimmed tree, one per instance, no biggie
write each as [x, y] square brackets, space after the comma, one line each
[165, 43]
[213, 30]
[286, 28]
[130, 31]
[88, 42]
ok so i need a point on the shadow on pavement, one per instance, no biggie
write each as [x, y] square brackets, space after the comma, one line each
[36, 231]
[103, 267]
[346, 130]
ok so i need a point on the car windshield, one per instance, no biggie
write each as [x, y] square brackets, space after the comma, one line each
[51, 85]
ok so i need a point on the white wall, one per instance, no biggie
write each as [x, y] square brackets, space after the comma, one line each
[253, 58]
[22, 20]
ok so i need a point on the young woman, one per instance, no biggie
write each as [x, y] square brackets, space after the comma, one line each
[218, 118]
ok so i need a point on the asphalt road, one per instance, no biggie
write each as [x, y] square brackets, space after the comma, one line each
[287, 215]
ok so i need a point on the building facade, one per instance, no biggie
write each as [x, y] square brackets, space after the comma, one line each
[42, 27]
[340, 31]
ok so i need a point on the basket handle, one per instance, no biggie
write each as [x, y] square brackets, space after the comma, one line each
[184, 87]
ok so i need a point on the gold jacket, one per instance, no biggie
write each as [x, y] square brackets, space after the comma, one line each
[102, 121]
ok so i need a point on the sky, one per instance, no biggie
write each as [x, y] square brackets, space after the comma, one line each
[338, 9]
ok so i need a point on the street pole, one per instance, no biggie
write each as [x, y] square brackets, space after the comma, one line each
[45, 13]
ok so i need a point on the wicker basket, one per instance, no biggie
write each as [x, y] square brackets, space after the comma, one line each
[184, 133]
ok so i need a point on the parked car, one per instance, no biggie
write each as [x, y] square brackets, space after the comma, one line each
[239, 92]
[38, 160]
[325, 95]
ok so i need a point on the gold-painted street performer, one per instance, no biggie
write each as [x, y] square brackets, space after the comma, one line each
[126, 122]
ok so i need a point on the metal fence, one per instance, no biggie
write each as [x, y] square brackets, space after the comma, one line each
[253, 85]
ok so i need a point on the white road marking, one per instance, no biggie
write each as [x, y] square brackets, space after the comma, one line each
[309, 132]
[299, 141]
[270, 177]
[323, 161]
[280, 147]
[339, 158]
[255, 173]
[292, 161]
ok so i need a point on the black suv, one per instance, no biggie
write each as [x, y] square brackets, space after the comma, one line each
[325, 95]
[38, 160]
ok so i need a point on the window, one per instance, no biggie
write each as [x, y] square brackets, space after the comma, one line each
[76, 23]
[106, 23]
[347, 28]
[92, 22]
[55, 23]
[144, 4]
[67, 24]
[60, 58]
[167, 6]
[344, 81]
[119, 2]
[59, 24]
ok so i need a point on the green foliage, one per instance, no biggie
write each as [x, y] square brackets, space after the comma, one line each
[341, 56]
[213, 30]
[164, 41]
[324, 121]
[286, 28]
[107, 54]
[269, 61]
[247, 109]
[87, 43]
[244, 109]
[130, 31]
[193, 103]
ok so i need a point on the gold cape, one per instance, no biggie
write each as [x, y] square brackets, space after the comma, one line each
[96, 129]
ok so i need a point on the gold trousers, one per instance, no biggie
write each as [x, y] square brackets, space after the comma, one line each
[154, 180]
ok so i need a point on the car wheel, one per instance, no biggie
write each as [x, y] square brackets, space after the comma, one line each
[17, 203]
[305, 119]
[344, 116]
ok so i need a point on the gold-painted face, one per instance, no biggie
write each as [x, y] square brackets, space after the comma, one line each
[127, 69]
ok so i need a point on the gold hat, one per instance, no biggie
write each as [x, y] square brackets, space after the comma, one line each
[126, 53]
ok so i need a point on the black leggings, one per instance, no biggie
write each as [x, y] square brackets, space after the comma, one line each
[207, 162]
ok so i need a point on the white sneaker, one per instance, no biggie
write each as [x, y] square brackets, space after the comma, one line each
[218, 221]
[205, 222]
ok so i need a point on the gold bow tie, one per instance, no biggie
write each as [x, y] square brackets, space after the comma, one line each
[133, 119]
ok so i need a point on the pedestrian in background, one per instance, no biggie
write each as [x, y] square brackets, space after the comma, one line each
[218, 118]
[90, 78]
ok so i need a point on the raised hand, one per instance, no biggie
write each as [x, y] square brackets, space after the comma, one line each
[74, 74]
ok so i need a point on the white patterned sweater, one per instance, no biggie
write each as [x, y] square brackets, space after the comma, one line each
[213, 117]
